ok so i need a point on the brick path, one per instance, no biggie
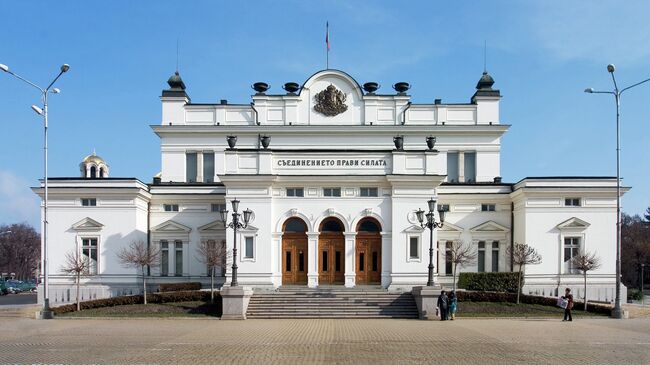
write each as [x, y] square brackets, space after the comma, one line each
[324, 341]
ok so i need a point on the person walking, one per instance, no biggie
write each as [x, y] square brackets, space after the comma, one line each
[443, 305]
[453, 304]
[567, 311]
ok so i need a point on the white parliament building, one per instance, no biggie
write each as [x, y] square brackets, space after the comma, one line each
[333, 173]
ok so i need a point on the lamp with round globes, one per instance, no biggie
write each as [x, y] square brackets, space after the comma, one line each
[235, 224]
[431, 224]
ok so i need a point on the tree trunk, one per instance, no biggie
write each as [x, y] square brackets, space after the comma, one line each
[519, 284]
[585, 275]
[212, 285]
[144, 286]
[78, 303]
[454, 276]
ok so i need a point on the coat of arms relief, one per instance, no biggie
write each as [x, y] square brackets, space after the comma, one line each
[330, 102]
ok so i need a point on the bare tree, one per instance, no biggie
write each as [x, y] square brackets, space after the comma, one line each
[75, 265]
[140, 255]
[521, 255]
[462, 253]
[213, 254]
[20, 250]
[586, 262]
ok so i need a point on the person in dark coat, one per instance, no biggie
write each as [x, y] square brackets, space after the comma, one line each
[567, 311]
[443, 305]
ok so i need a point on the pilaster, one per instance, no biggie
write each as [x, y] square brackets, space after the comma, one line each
[350, 259]
[312, 259]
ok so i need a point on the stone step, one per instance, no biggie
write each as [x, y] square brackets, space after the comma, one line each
[336, 316]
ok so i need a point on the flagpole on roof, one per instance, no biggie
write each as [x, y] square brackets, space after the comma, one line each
[327, 44]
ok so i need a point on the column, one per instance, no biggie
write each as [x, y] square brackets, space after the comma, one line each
[461, 166]
[312, 259]
[276, 259]
[199, 166]
[350, 259]
[386, 258]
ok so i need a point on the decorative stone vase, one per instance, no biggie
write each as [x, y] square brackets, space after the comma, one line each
[371, 87]
[265, 140]
[261, 87]
[401, 87]
[431, 142]
[399, 142]
[291, 87]
[232, 141]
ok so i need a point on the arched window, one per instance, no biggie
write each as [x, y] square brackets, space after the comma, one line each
[93, 172]
[101, 172]
[368, 225]
[295, 225]
[332, 225]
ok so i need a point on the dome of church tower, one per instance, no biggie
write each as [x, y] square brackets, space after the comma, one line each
[93, 167]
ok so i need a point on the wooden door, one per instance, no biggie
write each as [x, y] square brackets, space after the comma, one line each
[294, 259]
[331, 259]
[368, 259]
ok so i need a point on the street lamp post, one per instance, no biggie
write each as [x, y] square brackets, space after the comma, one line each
[235, 224]
[431, 224]
[617, 312]
[642, 293]
[46, 312]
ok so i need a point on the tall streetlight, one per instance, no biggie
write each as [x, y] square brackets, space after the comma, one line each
[431, 224]
[617, 312]
[235, 224]
[46, 312]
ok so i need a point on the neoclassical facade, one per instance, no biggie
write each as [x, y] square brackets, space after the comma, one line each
[333, 172]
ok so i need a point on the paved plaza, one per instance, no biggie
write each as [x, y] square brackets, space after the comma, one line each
[324, 341]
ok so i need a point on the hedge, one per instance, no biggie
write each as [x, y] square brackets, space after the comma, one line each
[177, 296]
[489, 281]
[486, 296]
[180, 286]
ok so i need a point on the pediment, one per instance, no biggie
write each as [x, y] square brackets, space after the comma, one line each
[413, 229]
[87, 224]
[216, 226]
[449, 227]
[490, 227]
[573, 223]
[171, 226]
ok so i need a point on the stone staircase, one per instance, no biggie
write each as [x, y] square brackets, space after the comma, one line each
[331, 302]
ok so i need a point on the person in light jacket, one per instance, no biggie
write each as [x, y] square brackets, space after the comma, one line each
[453, 304]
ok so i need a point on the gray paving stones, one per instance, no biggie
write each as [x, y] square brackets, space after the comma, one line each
[324, 341]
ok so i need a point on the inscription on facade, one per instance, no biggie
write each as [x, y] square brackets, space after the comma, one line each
[355, 162]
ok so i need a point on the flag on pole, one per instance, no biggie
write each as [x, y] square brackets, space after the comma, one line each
[327, 35]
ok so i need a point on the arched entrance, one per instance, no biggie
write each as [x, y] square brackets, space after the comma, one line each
[294, 252]
[368, 252]
[331, 252]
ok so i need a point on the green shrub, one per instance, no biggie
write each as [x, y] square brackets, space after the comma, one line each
[489, 281]
[180, 286]
[634, 294]
[486, 296]
[169, 297]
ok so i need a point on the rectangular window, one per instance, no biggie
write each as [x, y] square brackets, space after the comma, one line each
[287, 261]
[301, 261]
[470, 167]
[414, 247]
[296, 192]
[571, 249]
[375, 261]
[572, 202]
[88, 202]
[369, 192]
[495, 256]
[89, 252]
[481, 256]
[362, 263]
[444, 207]
[452, 167]
[164, 262]
[449, 268]
[337, 261]
[324, 261]
[218, 207]
[208, 167]
[332, 192]
[178, 258]
[190, 167]
[488, 207]
[170, 207]
[248, 252]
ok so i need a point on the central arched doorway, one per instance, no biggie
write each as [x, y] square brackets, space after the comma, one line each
[294, 252]
[331, 252]
[368, 252]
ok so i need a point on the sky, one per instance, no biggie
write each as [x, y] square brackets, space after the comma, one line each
[542, 55]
